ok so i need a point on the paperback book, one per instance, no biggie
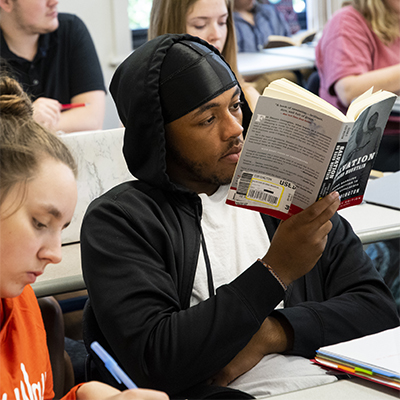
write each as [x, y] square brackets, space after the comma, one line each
[299, 148]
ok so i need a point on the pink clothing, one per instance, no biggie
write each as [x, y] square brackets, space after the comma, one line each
[349, 47]
[25, 369]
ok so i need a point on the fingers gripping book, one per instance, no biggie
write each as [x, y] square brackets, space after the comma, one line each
[299, 148]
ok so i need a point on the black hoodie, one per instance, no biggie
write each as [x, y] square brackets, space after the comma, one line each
[140, 244]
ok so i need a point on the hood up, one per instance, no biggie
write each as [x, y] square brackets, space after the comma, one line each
[135, 88]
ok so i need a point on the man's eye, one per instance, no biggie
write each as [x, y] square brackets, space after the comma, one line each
[237, 105]
[208, 121]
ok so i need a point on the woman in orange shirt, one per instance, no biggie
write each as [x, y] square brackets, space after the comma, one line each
[37, 200]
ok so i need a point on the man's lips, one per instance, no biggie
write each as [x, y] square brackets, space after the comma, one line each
[233, 153]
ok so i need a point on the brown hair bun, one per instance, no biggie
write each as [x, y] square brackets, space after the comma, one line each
[13, 100]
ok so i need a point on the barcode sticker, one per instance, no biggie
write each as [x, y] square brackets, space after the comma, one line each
[264, 191]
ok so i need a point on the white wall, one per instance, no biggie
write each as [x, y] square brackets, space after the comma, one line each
[108, 24]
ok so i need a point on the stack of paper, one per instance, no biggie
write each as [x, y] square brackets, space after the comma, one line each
[374, 357]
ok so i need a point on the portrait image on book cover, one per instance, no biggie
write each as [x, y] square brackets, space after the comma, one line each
[360, 154]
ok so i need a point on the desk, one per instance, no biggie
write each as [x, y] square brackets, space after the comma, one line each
[370, 222]
[305, 51]
[259, 63]
[349, 389]
[373, 223]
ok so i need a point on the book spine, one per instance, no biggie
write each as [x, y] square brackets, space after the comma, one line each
[334, 163]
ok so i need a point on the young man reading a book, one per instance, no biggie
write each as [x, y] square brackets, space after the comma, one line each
[209, 299]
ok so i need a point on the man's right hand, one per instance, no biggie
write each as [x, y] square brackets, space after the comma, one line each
[300, 240]
[47, 112]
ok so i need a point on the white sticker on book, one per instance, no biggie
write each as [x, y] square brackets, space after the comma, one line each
[264, 191]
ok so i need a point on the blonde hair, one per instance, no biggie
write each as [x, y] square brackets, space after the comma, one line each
[169, 16]
[23, 142]
[384, 23]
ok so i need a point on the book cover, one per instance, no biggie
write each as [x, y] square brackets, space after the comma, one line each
[350, 177]
[299, 148]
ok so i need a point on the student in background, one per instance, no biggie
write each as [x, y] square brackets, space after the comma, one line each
[286, 8]
[53, 56]
[37, 200]
[210, 20]
[175, 276]
[360, 48]
[254, 22]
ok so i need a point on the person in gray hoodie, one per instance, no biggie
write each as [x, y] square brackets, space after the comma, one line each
[195, 297]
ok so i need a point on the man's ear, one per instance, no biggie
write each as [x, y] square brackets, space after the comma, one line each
[6, 5]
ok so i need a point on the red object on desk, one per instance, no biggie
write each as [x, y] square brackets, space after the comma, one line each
[72, 105]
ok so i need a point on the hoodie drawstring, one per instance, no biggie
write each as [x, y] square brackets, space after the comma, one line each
[210, 282]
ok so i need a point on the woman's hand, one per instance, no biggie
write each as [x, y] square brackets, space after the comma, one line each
[101, 391]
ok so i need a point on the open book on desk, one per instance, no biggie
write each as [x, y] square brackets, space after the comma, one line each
[374, 357]
[299, 148]
[295, 40]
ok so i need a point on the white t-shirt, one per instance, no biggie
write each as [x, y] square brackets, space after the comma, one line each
[235, 238]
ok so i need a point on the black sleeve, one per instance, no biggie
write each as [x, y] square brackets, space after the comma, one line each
[132, 252]
[84, 65]
[342, 298]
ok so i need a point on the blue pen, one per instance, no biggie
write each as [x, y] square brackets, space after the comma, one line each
[112, 366]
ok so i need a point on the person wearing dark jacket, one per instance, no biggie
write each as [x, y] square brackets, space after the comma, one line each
[196, 297]
[53, 57]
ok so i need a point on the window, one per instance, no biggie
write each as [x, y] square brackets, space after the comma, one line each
[300, 8]
[139, 13]
[139, 16]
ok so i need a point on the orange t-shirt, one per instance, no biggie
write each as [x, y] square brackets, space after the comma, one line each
[25, 369]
